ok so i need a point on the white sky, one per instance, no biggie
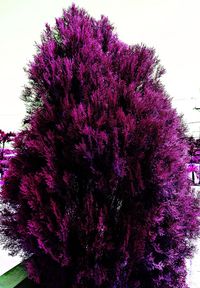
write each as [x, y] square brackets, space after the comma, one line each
[170, 26]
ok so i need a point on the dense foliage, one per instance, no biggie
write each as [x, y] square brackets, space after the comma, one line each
[193, 166]
[194, 150]
[98, 187]
[6, 151]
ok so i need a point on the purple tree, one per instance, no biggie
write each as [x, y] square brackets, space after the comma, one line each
[98, 187]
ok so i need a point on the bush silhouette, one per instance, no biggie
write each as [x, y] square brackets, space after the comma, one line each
[98, 192]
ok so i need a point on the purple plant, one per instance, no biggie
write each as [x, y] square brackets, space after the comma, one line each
[194, 150]
[98, 187]
[5, 152]
[192, 168]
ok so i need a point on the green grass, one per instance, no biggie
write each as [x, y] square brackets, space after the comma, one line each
[13, 277]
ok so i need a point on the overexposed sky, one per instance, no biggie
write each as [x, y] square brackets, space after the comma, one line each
[170, 26]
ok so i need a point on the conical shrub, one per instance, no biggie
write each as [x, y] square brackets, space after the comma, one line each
[98, 189]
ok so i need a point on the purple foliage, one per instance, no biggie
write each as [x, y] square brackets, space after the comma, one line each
[192, 168]
[194, 150]
[98, 187]
[5, 152]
